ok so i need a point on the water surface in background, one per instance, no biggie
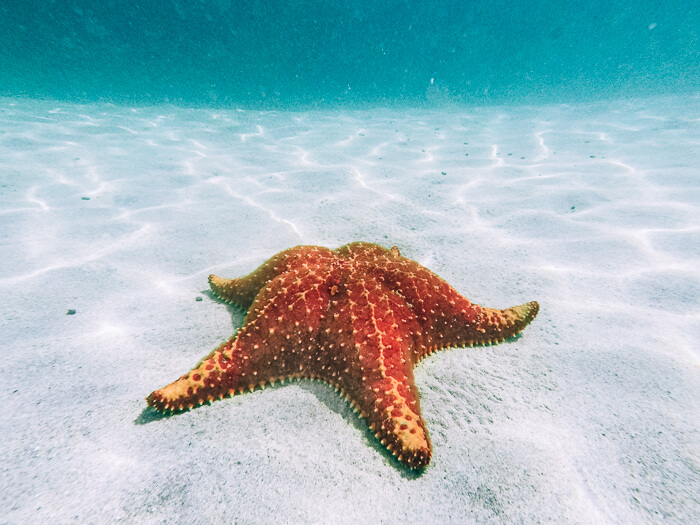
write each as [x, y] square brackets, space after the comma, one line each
[302, 53]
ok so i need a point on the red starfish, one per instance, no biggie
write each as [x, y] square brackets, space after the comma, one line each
[359, 317]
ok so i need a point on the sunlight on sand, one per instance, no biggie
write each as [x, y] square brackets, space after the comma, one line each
[112, 218]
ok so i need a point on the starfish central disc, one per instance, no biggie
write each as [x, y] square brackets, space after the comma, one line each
[359, 318]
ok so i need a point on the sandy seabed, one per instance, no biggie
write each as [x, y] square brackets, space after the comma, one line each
[119, 214]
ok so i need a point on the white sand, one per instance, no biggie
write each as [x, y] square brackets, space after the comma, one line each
[592, 210]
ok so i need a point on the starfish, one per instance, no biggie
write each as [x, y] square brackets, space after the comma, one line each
[359, 318]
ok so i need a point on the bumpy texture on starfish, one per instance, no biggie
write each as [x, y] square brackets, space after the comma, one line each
[359, 317]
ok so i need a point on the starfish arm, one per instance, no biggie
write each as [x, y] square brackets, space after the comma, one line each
[242, 291]
[214, 377]
[277, 341]
[473, 325]
[494, 326]
[447, 318]
[379, 384]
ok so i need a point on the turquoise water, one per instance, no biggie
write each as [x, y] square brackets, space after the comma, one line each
[314, 52]
[535, 151]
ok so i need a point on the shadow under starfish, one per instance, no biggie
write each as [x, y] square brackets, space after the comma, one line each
[358, 318]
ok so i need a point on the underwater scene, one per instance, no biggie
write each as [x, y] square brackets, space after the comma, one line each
[350, 262]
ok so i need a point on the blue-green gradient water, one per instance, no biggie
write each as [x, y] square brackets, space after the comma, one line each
[323, 52]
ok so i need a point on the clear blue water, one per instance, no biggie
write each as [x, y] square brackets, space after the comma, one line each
[323, 52]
